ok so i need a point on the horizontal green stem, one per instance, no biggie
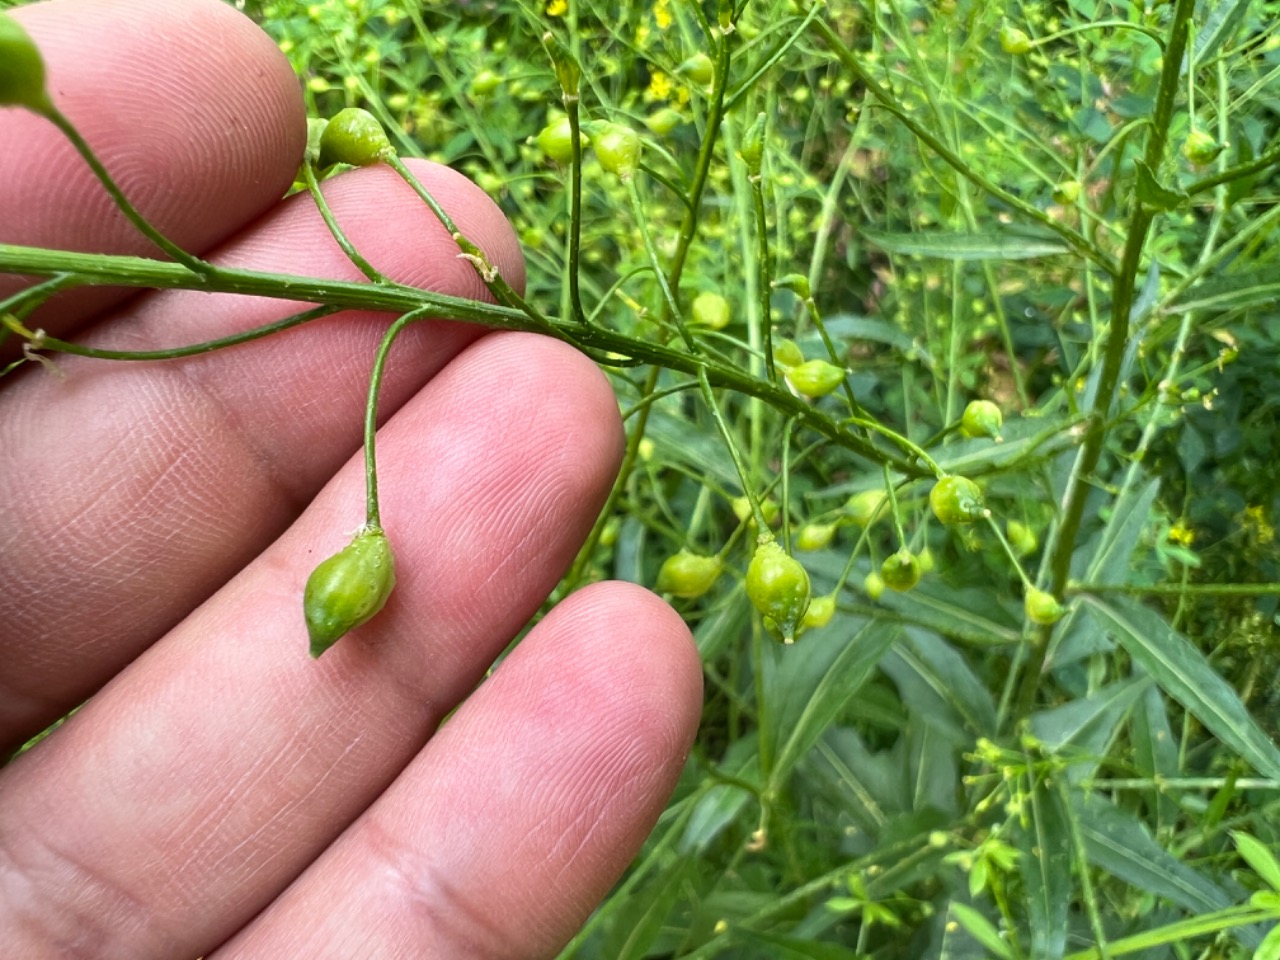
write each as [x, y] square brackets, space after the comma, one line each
[1176, 589]
[105, 270]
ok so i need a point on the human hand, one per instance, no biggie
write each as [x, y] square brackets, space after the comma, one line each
[221, 793]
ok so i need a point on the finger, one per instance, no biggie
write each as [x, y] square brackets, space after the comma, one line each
[512, 824]
[179, 801]
[194, 111]
[139, 488]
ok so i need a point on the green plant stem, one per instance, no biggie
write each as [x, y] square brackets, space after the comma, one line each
[41, 341]
[373, 518]
[764, 286]
[671, 306]
[68, 130]
[1179, 589]
[330, 221]
[101, 269]
[1078, 485]
[1075, 240]
[1258, 163]
[748, 486]
[702, 168]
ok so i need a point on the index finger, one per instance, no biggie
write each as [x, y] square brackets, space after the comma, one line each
[198, 173]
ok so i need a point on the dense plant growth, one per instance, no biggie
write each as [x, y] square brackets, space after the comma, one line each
[947, 340]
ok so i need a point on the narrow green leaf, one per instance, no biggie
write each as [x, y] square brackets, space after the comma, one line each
[1269, 949]
[1263, 861]
[936, 665]
[849, 671]
[1152, 193]
[1182, 671]
[637, 924]
[966, 246]
[981, 929]
[1083, 728]
[1119, 843]
[792, 948]
[1110, 562]
[1235, 291]
[1045, 866]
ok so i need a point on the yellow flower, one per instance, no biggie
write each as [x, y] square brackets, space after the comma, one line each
[659, 86]
[662, 14]
[1182, 534]
[557, 8]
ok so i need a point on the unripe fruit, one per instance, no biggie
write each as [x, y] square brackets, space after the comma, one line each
[981, 418]
[1201, 148]
[356, 137]
[956, 500]
[901, 571]
[711, 310]
[687, 575]
[617, 148]
[1014, 41]
[926, 560]
[873, 585]
[556, 140]
[863, 508]
[778, 586]
[1067, 192]
[484, 83]
[815, 536]
[1042, 607]
[699, 68]
[664, 121]
[786, 354]
[797, 283]
[815, 378]
[21, 69]
[821, 610]
[348, 589]
[742, 509]
[1021, 538]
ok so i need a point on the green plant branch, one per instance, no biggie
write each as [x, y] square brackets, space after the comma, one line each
[373, 517]
[1076, 241]
[1079, 483]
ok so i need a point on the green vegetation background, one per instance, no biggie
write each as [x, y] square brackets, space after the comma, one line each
[930, 774]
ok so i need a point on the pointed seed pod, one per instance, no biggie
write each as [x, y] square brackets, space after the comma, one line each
[22, 81]
[348, 589]
[711, 310]
[688, 575]
[1014, 41]
[956, 500]
[815, 536]
[900, 571]
[356, 137]
[821, 610]
[778, 586]
[556, 140]
[786, 354]
[815, 378]
[617, 148]
[1042, 607]
[981, 418]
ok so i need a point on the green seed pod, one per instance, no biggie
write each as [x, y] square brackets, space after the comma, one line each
[348, 589]
[1067, 192]
[926, 561]
[742, 509]
[699, 68]
[1014, 41]
[1201, 148]
[1021, 537]
[752, 149]
[687, 575]
[901, 571]
[21, 69]
[617, 148]
[1042, 607]
[356, 137]
[664, 121]
[863, 508]
[873, 585]
[797, 283]
[556, 140]
[484, 83]
[956, 500]
[786, 354]
[711, 310]
[568, 73]
[778, 586]
[315, 132]
[815, 378]
[981, 418]
[815, 536]
[821, 610]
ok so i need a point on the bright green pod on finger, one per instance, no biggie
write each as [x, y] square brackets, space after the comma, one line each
[356, 137]
[348, 589]
[22, 77]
